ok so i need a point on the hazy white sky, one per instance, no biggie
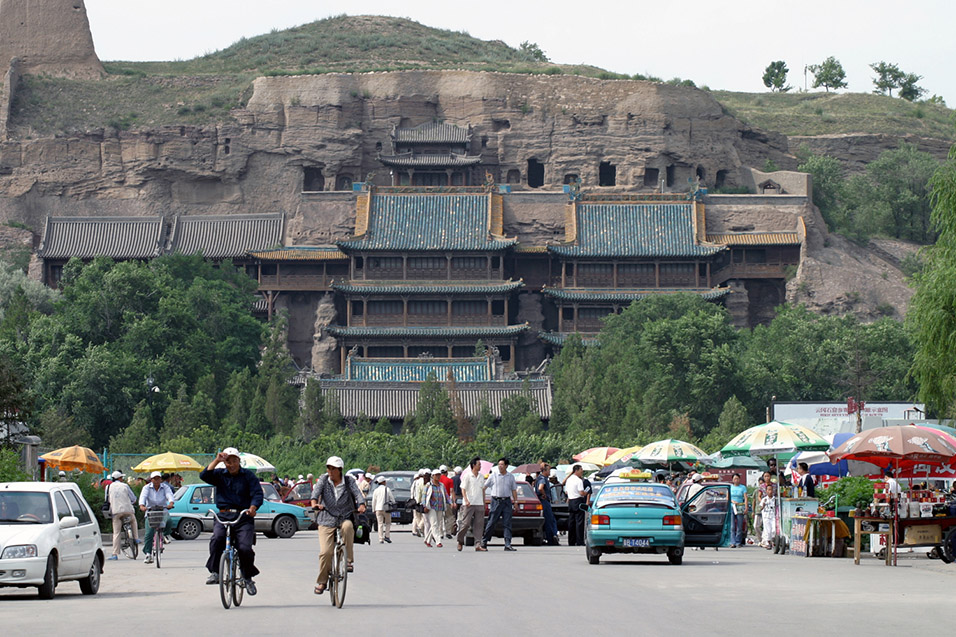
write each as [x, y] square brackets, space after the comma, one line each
[721, 45]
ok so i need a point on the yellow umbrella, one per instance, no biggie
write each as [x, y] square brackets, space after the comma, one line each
[168, 461]
[620, 454]
[75, 457]
[597, 455]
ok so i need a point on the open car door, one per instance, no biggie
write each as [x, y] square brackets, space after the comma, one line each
[706, 517]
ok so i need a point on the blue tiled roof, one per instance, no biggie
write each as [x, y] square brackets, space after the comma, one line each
[465, 370]
[427, 332]
[428, 222]
[635, 230]
[559, 338]
[613, 295]
[428, 287]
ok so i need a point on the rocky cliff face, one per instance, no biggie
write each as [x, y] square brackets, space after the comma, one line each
[858, 150]
[48, 36]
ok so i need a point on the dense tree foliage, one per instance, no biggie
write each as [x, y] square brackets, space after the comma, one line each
[775, 76]
[932, 314]
[888, 77]
[891, 199]
[828, 74]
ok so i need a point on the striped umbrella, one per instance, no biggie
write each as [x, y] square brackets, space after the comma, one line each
[666, 452]
[773, 438]
[623, 454]
[596, 455]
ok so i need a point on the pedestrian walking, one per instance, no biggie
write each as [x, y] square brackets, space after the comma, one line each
[739, 501]
[382, 503]
[449, 519]
[472, 504]
[504, 499]
[418, 490]
[435, 503]
[542, 489]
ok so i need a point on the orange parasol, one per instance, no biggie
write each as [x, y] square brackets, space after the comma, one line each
[75, 457]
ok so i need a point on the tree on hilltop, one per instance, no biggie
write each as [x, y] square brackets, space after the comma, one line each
[533, 51]
[909, 91]
[887, 78]
[828, 74]
[775, 76]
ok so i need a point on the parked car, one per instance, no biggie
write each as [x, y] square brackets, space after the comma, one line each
[300, 494]
[400, 482]
[48, 535]
[628, 516]
[193, 505]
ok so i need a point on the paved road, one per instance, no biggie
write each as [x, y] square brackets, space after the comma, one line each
[404, 589]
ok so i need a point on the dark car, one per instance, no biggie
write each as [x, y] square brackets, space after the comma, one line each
[400, 482]
[559, 506]
[527, 522]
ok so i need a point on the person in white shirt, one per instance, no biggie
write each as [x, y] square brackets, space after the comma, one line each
[382, 502]
[472, 504]
[577, 497]
[122, 502]
[504, 500]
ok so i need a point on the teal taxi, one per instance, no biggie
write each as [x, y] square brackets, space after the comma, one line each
[628, 514]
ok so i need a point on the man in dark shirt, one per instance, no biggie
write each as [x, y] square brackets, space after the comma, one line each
[237, 490]
[542, 489]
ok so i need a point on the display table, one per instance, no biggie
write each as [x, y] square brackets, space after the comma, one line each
[792, 507]
[816, 536]
[871, 526]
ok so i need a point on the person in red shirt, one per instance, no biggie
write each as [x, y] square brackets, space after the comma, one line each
[451, 513]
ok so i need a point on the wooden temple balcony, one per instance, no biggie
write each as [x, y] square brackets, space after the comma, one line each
[750, 271]
[428, 320]
[295, 282]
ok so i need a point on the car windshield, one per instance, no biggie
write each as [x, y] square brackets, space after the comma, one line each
[525, 490]
[269, 492]
[641, 493]
[25, 507]
[401, 484]
[180, 492]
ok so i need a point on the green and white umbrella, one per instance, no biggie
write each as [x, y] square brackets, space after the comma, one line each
[772, 439]
[667, 452]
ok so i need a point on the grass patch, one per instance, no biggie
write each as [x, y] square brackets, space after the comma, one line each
[836, 113]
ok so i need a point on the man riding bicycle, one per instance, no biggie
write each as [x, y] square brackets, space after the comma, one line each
[335, 497]
[237, 491]
[155, 495]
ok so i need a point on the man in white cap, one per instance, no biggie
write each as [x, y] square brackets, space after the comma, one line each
[156, 494]
[122, 506]
[62, 477]
[335, 497]
[418, 490]
[238, 491]
[382, 503]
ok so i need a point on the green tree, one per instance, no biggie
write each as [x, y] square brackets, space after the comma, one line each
[309, 422]
[775, 76]
[828, 74]
[932, 313]
[827, 174]
[141, 436]
[519, 416]
[732, 420]
[909, 91]
[11, 469]
[434, 408]
[532, 51]
[888, 77]
[56, 428]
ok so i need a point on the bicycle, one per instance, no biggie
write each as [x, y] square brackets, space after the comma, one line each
[156, 519]
[231, 583]
[339, 573]
[129, 547]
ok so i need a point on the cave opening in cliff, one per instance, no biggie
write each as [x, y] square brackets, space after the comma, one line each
[570, 178]
[721, 179]
[514, 176]
[701, 173]
[312, 179]
[670, 176]
[607, 174]
[343, 182]
[651, 177]
[535, 173]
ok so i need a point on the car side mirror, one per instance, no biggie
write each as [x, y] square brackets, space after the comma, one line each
[69, 521]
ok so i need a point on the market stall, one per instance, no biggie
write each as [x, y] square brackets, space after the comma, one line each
[818, 536]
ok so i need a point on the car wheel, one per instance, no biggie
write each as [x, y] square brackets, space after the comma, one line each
[946, 552]
[594, 555]
[189, 529]
[90, 584]
[47, 589]
[533, 539]
[676, 555]
[284, 526]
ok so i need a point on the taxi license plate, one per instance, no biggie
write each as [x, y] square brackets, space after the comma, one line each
[637, 542]
[396, 514]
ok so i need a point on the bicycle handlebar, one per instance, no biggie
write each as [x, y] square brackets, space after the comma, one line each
[215, 514]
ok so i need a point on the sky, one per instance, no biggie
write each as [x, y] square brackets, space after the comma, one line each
[724, 46]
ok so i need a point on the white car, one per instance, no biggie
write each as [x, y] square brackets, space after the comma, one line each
[48, 534]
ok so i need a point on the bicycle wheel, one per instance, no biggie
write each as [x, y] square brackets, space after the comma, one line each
[126, 544]
[334, 579]
[342, 575]
[158, 546]
[238, 587]
[225, 593]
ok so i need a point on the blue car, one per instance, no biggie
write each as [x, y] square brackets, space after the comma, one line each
[193, 505]
[632, 516]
